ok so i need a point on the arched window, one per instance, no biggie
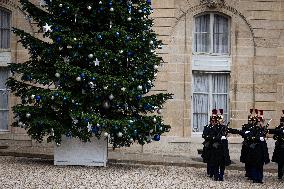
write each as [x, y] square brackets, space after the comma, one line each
[211, 34]
[5, 28]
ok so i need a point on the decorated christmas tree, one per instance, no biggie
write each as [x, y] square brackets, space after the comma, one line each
[91, 73]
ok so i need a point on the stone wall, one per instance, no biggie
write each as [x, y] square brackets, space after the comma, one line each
[257, 55]
[256, 51]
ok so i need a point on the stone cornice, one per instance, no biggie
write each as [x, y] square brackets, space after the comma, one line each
[9, 3]
[212, 3]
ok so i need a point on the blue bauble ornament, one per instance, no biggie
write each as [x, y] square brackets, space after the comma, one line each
[95, 129]
[93, 79]
[117, 34]
[127, 39]
[149, 2]
[100, 9]
[37, 99]
[130, 53]
[157, 137]
[86, 120]
[58, 39]
[82, 75]
[147, 106]
[139, 97]
[99, 37]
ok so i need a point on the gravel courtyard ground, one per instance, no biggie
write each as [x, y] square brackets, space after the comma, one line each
[18, 173]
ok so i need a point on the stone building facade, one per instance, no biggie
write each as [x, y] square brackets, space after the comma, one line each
[217, 54]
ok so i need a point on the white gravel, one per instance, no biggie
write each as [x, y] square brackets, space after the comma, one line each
[26, 173]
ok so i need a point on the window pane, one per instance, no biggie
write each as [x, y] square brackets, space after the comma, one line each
[200, 112]
[4, 120]
[201, 83]
[209, 91]
[3, 100]
[202, 42]
[202, 24]
[220, 83]
[4, 74]
[221, 34]
[199, 121]
[5, 17]
[202, 33]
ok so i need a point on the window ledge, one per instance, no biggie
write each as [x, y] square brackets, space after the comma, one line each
[211, 63]
[5, 58]
[211, 54]
[5, 50]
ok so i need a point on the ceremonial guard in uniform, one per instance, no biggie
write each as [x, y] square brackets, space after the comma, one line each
[215, 151]
[257, 154]
[207, 144]
[278, 154]
[247, 135]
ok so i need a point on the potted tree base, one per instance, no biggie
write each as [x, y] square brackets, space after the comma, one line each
[72, 151]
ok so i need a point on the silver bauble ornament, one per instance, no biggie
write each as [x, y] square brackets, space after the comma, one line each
[52, 97]
[105, 134]
[131, 140]
[60, 5]
[32, 96]
[78, 78]
[90, 56]
[57, 75]
[100, 2]
[111, 9]
[151, 42]
[105, 87]
[119, 134]
[20, 124]
[28, 115]
[89, 7]
[129, 19]
[139, 87]
[159, 111]
[123, 89]
[111, 97]
[154, 120]
[156, 67]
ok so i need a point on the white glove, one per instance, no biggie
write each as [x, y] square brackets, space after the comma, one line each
[223, 138]
[261, 139]
[247, 132]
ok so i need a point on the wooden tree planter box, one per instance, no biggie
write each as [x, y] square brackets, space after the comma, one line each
[72, 151]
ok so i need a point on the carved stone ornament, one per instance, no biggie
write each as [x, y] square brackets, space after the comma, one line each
[212, 3]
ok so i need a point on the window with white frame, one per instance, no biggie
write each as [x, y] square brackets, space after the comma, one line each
[4, 103]
[211, 34]
[5, 28]
[210, 91]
